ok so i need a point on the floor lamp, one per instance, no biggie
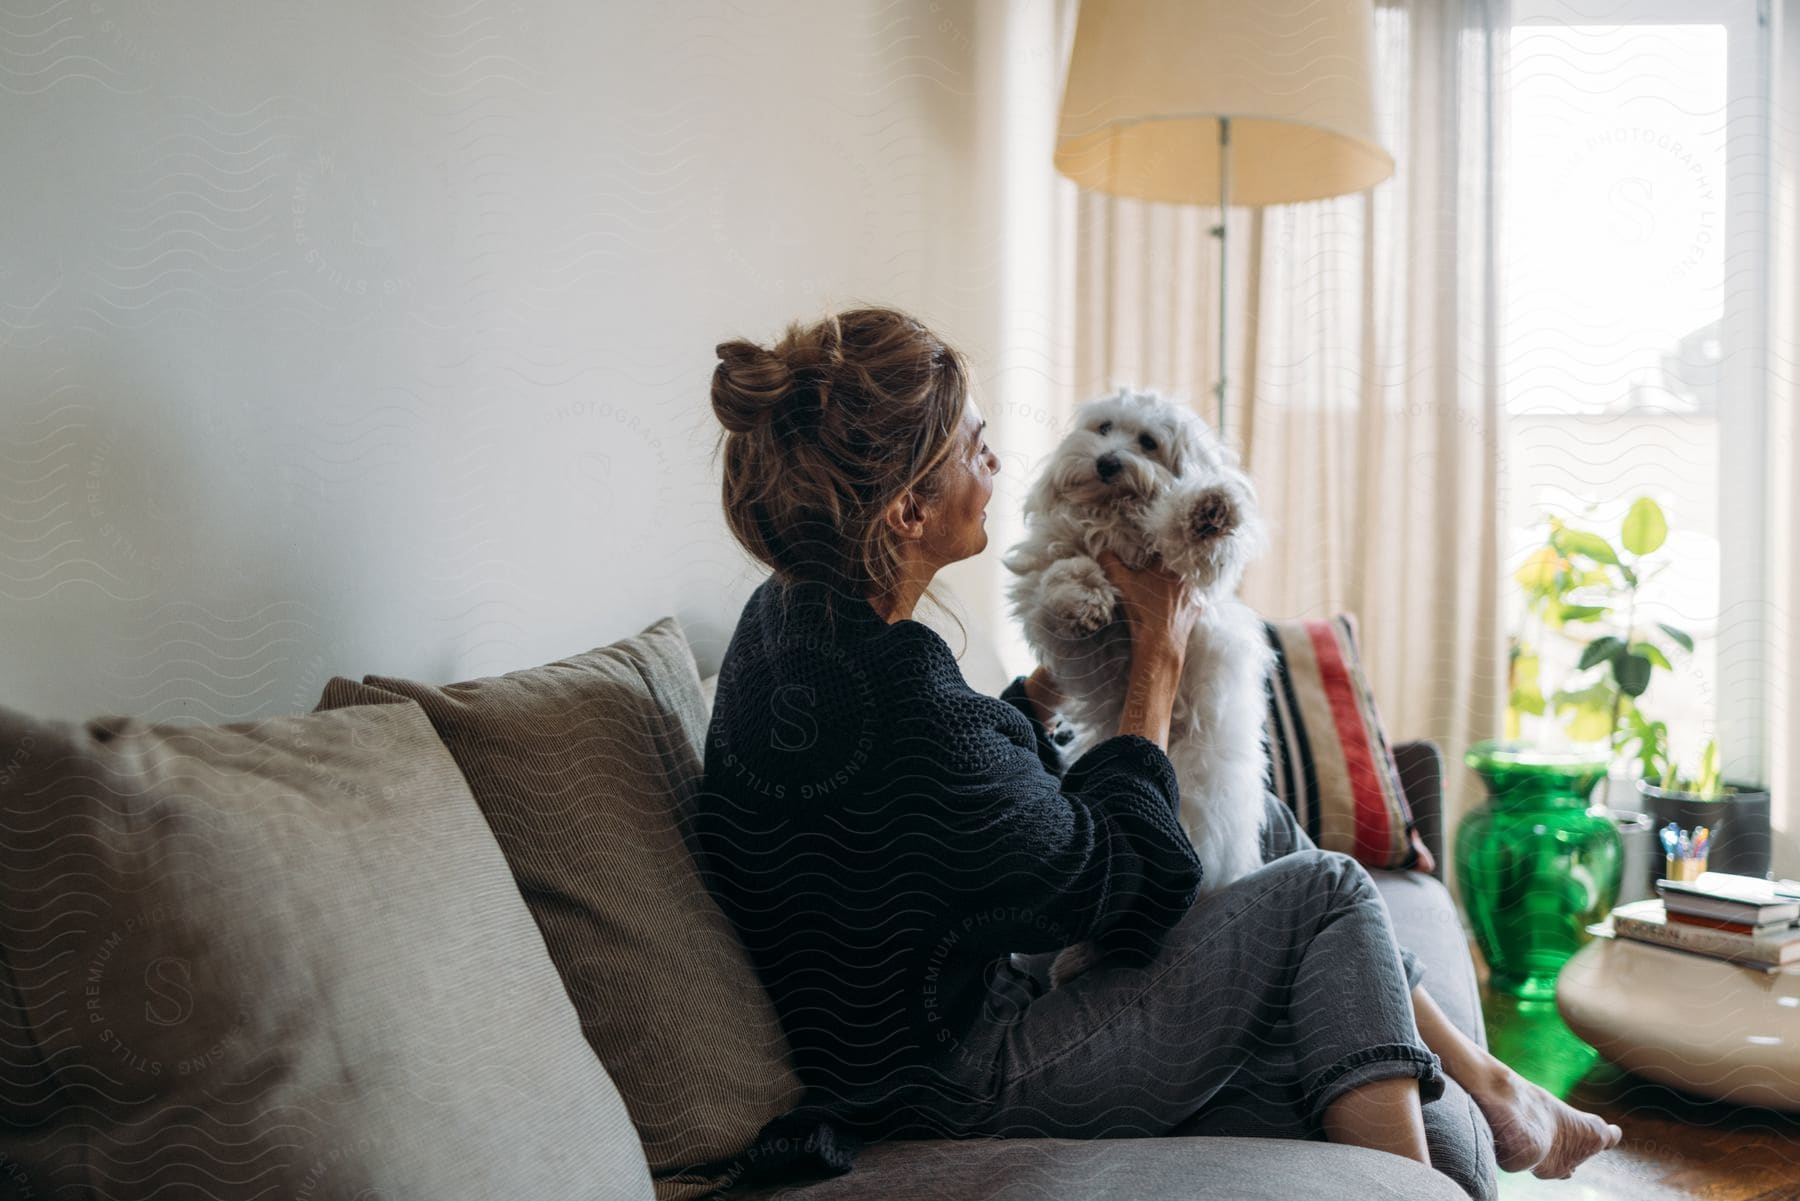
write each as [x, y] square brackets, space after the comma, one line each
[1222, 102]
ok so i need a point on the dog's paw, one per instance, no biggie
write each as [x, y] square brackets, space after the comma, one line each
[1211, 514]
[1199, 531]
[1088, 613]
[1077, 596]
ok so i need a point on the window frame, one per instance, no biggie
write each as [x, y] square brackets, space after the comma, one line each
[1743, 689]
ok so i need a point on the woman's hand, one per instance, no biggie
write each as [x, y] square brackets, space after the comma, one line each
[1160, 608]
[1044, 695]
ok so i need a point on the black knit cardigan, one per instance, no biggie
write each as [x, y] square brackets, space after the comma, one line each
[882, 836]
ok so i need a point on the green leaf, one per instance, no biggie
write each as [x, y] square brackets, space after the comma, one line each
[1657, 762]
[1586, 712]
[1526, 694]
[1584, 612]
[1528, 701]
[1707, 784]
[1645, 527]
[1632, 671]
[1580, 542]
[1599, 650]
[1597, 697]
[1649, 651]
[1686, 642]
[1643, 740]
[1537, 575]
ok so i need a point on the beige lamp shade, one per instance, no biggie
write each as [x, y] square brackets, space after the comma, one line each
[1150, 79]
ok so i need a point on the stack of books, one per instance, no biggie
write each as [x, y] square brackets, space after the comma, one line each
[1738, 918]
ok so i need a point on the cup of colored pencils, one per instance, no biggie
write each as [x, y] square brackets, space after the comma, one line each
[1684, 853]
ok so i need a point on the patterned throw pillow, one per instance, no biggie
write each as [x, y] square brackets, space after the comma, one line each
[1330, 760]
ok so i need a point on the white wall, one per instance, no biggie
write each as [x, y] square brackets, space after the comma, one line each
[345, 337]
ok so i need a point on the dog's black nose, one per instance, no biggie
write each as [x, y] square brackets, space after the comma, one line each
[1106, 466]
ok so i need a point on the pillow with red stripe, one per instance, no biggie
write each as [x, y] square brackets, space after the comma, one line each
[1329, 758]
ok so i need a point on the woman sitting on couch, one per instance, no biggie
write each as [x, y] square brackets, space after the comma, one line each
[882, 837]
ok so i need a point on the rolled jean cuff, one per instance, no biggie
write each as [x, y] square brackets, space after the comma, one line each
[1386, 1062]
[1415, 971]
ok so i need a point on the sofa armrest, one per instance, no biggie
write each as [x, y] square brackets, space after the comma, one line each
[1421, 767]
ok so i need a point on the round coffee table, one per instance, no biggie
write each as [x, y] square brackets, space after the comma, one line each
[1703, 1025]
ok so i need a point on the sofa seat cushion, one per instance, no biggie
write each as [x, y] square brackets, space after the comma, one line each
[582, 767]
[281, 958]
[1168, 1169]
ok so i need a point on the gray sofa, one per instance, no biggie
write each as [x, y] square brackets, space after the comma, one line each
[445, 941]
[1177, 1168]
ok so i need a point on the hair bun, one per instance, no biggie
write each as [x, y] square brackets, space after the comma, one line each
[749, 385]
[824, 427]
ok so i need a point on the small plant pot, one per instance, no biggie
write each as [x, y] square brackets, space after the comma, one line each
[1738, 838]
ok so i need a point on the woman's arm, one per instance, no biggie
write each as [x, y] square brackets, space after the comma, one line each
[1049, 751]
[1045, 697]
[1092, 852]
[1047, 856]
[1150, 693]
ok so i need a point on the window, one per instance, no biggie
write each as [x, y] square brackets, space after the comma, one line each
[1633, 291]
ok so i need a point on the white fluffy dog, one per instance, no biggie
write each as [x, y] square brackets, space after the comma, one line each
[1145, 478]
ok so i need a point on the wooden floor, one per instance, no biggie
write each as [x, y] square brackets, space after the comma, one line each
[1675, 1146]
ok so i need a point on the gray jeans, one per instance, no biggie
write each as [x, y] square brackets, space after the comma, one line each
[1266, 1002]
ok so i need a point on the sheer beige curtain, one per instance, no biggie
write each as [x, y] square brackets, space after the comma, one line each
[1784, 422]
[1365, 388]
[1017, 323]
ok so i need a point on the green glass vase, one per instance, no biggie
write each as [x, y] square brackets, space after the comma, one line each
[1537, 863]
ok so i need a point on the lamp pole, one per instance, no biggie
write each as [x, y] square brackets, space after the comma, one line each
[1218, 231]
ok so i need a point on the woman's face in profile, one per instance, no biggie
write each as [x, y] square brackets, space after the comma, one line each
[959, 513]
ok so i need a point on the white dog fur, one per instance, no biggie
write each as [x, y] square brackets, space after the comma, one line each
[1145, 478]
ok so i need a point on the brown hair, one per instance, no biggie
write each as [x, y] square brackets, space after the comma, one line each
[823, 430]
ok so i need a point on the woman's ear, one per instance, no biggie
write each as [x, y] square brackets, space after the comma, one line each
[905, 516]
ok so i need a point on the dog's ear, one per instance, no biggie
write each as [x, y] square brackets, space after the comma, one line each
[1191, 444]
[1025, 558]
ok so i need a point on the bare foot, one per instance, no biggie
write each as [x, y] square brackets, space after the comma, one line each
[1532, 1129]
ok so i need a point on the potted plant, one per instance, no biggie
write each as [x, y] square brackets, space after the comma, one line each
[1735, 813]
[1581, 603]
[1539, 861]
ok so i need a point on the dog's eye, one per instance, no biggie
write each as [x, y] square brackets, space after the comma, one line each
[1147, 442]
[1103, 429]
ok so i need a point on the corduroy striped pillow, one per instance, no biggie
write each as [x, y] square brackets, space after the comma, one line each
[1329, 758]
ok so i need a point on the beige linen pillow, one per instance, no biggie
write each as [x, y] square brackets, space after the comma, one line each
[281, 958]
[583, 767]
